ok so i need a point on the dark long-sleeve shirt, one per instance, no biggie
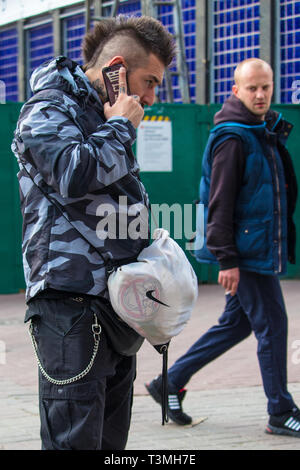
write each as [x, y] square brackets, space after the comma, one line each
[226, 179]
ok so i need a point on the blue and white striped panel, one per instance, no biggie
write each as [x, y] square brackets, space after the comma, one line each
[8, 65]
[165, 15]
[126, 7]
[39, 49]
[235, 37]
[289, 47]
[73, 32]
[130, 7]
[40, 45]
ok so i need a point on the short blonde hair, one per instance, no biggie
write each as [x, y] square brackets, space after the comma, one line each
[258, 63]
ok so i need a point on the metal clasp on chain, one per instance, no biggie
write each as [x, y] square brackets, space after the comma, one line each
[96, 329]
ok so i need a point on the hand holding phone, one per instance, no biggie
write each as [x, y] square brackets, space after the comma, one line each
[120, 102]
[111, 77]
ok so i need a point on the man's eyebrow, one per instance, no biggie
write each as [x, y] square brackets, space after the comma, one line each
[155, 79]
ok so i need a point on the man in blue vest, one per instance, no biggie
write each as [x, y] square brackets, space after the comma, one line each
[249, 191]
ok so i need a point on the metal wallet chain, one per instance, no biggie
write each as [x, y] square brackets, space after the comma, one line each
[96, 330]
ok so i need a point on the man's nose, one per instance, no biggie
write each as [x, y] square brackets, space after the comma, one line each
[148, 97]
[260, 93]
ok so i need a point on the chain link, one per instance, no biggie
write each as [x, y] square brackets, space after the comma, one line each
[96, 330]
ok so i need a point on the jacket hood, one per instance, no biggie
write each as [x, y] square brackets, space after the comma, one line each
[64, 74]
[234, 110]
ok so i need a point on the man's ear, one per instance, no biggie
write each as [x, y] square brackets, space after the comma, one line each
[235, 90]
[118, 59]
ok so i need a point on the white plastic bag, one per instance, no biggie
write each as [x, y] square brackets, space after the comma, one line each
[156, 294]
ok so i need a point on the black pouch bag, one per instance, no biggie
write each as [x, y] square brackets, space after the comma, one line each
[123, 339]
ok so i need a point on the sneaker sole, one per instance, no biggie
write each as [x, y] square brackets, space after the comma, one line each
[281, 431]
[178, 421]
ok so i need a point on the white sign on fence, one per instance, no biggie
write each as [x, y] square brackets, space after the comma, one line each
[154, 146]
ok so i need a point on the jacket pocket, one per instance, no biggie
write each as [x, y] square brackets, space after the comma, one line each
[253, 239]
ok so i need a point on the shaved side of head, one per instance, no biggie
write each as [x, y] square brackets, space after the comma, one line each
[126, 46]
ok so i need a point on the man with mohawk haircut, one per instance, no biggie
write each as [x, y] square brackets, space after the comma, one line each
[75, 156]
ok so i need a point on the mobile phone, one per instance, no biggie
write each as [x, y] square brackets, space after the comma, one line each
[111, 82]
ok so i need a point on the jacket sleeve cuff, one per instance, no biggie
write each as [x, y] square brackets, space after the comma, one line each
[229, 263]
[120, 122]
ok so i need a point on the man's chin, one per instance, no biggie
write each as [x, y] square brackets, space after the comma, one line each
[260, 112]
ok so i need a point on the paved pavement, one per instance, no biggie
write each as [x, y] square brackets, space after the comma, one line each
[226, 396]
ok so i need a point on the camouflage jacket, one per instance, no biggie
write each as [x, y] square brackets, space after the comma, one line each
[81, 197]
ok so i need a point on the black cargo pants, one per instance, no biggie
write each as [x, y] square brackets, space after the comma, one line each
[91, 413]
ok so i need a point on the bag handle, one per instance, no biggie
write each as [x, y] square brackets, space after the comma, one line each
[163, 349]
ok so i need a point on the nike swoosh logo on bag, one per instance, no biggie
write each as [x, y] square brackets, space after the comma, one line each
[150, 296]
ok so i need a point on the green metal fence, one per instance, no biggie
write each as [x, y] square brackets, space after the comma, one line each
[11, 270]
[190, 126]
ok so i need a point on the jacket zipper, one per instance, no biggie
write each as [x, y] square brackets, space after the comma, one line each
[279, 211]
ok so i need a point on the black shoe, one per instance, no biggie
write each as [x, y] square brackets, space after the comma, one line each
[174, 401]
[287, 424]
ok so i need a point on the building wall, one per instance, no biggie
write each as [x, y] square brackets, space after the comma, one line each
[236, 36]
[229, 31]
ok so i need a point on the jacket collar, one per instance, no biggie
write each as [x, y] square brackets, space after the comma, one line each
[234, 112]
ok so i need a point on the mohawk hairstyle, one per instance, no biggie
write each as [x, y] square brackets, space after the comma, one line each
[147, 32]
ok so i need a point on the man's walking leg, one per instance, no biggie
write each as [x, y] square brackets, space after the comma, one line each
[262, 300]
[232, 328]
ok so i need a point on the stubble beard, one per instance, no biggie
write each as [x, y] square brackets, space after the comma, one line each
[100, 89]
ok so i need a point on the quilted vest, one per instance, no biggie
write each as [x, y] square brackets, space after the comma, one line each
[260, 216]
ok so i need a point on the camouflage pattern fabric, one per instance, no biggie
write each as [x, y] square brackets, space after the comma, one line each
[77, 172]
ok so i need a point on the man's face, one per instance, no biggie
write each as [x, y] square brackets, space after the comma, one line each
[143, 80]
[255, 89]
